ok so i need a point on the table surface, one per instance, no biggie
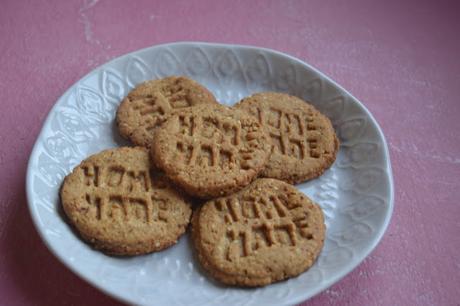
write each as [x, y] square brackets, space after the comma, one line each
[400, 58]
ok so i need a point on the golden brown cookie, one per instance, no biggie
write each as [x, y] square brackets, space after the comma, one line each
[210, 150]
[150, 103]
[304, 143]
[265, 233]
[120, 207]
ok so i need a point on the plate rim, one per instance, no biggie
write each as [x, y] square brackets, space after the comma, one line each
[300, 297]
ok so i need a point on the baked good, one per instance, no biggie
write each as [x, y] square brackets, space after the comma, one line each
[120, 206]
[265, 233]
[210, 150]
[304, 143]
[149, 104]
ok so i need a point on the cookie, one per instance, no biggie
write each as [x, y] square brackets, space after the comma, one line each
[210, 150]
[118, 205]
[265, 233]
[304, 143]
[150, 103]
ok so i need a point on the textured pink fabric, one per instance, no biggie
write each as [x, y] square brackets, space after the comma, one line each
[400, 58]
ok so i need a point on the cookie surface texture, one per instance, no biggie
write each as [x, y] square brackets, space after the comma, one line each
[211, 150]
[304, 143]
[265, 233]
[149, 104]
[120, 207]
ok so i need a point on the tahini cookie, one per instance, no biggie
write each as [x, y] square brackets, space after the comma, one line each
[149, 104]
[265, 233]
[304, 143]
[211, 150]
[120, 206]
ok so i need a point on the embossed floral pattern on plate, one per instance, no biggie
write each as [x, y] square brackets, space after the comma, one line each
[356, 194]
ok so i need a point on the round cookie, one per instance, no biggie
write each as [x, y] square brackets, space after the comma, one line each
[304, 143]
[211, 150]
[149, 104]
[265, 233]
[120, 206]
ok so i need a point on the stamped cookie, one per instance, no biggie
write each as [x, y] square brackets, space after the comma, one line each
[265, 233]
[119, 206]
[150, 103]
[303, 140]
[211, 150]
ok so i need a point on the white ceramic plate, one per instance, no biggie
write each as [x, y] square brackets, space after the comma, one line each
[356, 194]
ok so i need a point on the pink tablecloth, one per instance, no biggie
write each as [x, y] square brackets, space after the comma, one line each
[401, 58]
